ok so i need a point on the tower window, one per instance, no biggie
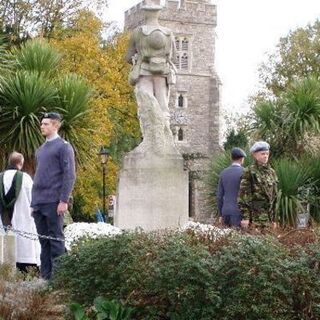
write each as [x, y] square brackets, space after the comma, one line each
[182, 46]
[180, 101]
[177, 44]
[180, 134]
[184, 61]
[185, 44]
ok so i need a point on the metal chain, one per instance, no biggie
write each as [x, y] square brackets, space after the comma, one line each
[30, 235]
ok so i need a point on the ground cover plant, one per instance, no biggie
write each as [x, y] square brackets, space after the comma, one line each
[188, 275]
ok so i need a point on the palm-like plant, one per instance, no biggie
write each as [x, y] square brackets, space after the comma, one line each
[72, 102]
[37, 56]
[294, 182]
[35, 87]
[268, 125]
[5, 61]
[23, 97]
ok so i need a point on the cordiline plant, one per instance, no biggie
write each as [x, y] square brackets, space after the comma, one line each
[295, 181]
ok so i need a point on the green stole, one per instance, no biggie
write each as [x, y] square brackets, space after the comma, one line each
[7, 201]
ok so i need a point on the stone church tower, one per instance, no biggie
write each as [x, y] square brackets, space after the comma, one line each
[194, 100]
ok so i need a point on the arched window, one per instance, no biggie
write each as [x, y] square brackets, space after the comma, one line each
[184, 61]
[181, 101]
[180, 134]
[185, 44]
[182, 46]
[178, 44]
[177, 62]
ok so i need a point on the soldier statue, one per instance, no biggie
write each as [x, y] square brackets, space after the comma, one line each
[151, 50]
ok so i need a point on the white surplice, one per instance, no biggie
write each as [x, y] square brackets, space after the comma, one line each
[27, 250]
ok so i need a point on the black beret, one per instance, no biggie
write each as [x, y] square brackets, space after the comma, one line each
[52, 115]
[237, 153]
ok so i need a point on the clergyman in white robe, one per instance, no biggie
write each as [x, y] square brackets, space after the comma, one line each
[27, 250]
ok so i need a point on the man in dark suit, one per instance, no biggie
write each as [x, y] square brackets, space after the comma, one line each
[228, 189]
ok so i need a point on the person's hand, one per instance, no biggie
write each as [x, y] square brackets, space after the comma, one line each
[62, 208]
[244, 223]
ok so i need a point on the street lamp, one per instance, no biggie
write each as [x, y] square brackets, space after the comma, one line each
[104, 155]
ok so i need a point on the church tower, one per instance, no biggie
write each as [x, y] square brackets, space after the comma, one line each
[194, 100]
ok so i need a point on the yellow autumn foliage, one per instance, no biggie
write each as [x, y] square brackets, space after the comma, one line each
[112, 106]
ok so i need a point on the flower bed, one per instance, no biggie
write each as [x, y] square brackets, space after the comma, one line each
[80, 230]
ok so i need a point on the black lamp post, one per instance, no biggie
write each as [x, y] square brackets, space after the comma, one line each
[104, 155]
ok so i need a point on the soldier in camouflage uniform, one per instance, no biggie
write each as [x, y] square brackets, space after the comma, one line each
[258, 188]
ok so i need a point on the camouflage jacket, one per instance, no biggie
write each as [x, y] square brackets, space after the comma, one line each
[258, 193]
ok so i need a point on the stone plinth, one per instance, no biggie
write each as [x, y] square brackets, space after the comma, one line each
[152, 192]
[8, 248]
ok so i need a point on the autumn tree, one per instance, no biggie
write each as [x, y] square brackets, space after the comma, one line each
[25, 19]
[296, 57]
[113, 107]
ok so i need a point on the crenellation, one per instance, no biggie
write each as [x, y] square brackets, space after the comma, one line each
[201, 12]
[172, 5]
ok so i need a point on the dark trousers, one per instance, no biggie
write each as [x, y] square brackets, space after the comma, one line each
[49, 223]
[232, 220]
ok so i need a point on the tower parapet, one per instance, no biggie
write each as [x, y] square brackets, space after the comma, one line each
[195, 12]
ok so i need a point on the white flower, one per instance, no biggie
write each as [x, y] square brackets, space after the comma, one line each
[75, 231]
[208, 230]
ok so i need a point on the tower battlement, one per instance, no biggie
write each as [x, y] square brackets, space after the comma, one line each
[195, 12]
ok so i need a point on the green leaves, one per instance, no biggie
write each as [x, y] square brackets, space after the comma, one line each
[23, 97]
[111, 310]
[37, 56]
[295, 182]
[78, 311]
[36, 87]
[185, 276]
[296, 57]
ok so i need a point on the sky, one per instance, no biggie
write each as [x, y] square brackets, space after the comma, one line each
[246, 31]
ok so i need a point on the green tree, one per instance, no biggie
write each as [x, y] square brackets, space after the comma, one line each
[288, 122]
[236, 139]
[296, 57]
[32, 88]
[25, 19]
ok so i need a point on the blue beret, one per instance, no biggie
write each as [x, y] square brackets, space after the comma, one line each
[260, 146]
[237, 153]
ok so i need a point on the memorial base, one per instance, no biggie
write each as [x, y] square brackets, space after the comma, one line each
[152, 193]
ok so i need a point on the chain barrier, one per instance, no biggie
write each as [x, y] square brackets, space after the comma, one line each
[30, 235]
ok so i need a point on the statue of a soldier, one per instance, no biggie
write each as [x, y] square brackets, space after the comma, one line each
[151, 49]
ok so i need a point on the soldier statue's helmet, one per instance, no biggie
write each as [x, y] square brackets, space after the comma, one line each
[237, 153]
[260, 146]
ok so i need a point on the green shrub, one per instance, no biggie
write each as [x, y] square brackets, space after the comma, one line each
[181, 276]
[103, 310]
[294, 182]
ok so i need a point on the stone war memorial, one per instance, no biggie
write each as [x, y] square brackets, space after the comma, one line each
[178, 110]
[153, 185]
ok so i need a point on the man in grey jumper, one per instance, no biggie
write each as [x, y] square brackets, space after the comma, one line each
[228, 189]
[53, 183]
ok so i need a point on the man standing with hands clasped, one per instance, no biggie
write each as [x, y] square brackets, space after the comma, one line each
[53, 182]
[228, 189]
